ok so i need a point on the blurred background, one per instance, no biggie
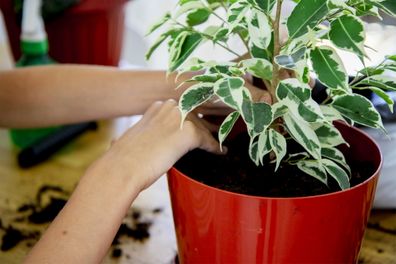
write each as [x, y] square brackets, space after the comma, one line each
[114, 32]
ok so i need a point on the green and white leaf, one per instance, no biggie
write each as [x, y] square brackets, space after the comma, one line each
[211, 30]
[279, 109]
[383, 95]
[195, 96]
[187, 7]
[390, 66]
[331, 114]
[297, 96]
[262, 116]
[302, 70]
[290, 61]
[176, 47]
[220, 68]
[313, 168]
[198, 16]
[156, 44]
[257, 116]
[310, 38]
[359, 109]
[260, 31]
[227, 90]
[236, 13]
[302, 132]
[307, 14]
[370, 71]
[221, 35]
[388, 6]
[337, 156]
[158, 24]
[172, 33]
[265, 5]
[183, 46]
[264, 145]
[253, 152]
[293, 87]
[296, 157]
[208, 78]
[347, 33]
[227, 126]
[332, 4]
[366, 9]
[337, 173]
[257, 52]
[278, 144]
[260, 68]
[328, 135]
[329, 68]
[235, 71]
[381, 81]
[191, 64]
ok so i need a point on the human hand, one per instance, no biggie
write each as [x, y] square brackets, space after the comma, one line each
[156, 142]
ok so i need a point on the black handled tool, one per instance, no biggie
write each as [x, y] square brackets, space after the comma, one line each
[45, 147]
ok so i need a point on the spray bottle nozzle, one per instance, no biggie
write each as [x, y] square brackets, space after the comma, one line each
[32, 22]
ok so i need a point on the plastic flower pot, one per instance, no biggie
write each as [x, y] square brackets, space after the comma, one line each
[90, 32]
[217, 226]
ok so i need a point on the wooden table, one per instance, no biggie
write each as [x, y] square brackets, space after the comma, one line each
[19, 186]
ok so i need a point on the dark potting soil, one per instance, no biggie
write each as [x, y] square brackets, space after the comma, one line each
[236, 172]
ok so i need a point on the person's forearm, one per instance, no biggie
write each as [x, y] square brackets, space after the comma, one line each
[60, 94]
[85, 228]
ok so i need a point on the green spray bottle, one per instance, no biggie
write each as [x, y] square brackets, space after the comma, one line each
[34, 48]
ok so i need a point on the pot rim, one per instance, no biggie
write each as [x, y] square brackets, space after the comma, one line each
[375, 174]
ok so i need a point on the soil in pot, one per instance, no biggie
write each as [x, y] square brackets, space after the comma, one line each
[236, 172]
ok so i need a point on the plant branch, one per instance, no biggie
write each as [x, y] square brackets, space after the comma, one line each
[358, 78]
[325, 101]
[277, 47]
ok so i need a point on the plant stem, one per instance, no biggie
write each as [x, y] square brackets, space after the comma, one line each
[277, 47]
[325, 101]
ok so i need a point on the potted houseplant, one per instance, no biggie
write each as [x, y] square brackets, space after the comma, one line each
[328, 168]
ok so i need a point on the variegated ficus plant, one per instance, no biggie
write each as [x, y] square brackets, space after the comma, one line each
[316, 28]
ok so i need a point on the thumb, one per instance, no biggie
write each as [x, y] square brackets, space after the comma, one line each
[210, 144]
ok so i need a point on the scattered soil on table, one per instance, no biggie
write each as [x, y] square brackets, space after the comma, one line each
[38, 212]
[13, 236]
[236, 172]
[48, 203]
[135, 227]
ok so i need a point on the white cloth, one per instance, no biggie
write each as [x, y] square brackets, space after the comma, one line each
[385, 196]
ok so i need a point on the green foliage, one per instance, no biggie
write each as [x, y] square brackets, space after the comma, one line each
[315, 28]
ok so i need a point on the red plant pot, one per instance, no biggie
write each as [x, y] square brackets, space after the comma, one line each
[216, 226]
[90, 32]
